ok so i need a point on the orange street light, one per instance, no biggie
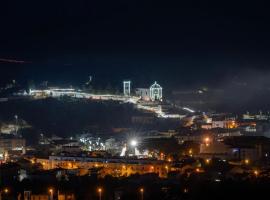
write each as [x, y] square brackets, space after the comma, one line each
[69, 165]
[167, 168]
[51, 193]
[256, 173]
[100, 190]
[190, 152]
[142, 193]
[6, 190]
[207, 161]
[207, 140]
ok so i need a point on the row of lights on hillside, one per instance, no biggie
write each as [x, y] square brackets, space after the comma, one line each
[100, 192]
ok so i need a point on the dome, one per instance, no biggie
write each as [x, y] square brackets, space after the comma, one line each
[155, 85]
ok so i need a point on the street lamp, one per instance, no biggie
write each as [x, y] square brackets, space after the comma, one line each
[207, 139]
[190, 152]
[99, 190]
[256, 173]
[4, 191]
[51, 193]
[207, 161]
[142, 193]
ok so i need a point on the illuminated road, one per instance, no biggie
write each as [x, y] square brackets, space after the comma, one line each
[60, 92]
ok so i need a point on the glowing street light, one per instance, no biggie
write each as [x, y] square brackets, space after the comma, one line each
[133, 143]
[247, 161]
[70, 165]
[51, 193]
[207, 140]
[167, 168]
[142, 193]
[190, 152]
[100, 190]
[256, 173]
[207, 161]
[5, 191]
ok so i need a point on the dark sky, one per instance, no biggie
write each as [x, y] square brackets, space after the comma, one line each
[174, 42]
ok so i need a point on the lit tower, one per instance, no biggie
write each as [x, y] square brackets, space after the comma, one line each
[126, 88]
[156, 92]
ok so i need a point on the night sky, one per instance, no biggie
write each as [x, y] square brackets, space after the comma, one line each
[177, 43]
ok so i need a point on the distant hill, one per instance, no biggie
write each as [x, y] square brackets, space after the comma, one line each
[67, 116]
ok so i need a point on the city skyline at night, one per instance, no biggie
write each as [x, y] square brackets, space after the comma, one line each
[134, 100]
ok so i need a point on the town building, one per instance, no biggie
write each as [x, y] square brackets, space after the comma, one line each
[156, 92]
[144, 93]
[116, 167]
[11, 143]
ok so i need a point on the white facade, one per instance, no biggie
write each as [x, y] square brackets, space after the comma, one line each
[156, 92]
[259, 116]
[218, 124]
[144, 93]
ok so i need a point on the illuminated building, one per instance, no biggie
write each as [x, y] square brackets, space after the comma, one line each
[143, 93]
[29, 195]
[116, 167]
[259, 117]
[12, 144]
[126, 88]
[219, 121]
[156, 92]
[227, 123]
[131, 149]
[9, 128]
